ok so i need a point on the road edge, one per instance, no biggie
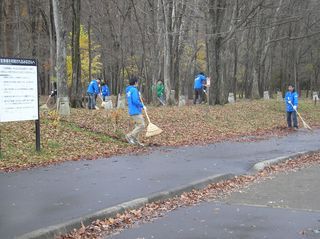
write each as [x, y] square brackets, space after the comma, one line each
[265, 163]
[63, 228]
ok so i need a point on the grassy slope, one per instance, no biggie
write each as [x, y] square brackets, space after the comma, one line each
[91, 134]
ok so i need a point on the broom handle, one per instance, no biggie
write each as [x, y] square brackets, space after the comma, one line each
[299, 115]
[145, 110]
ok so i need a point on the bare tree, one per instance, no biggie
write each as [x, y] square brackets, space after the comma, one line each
[76, 91]
[60, 26]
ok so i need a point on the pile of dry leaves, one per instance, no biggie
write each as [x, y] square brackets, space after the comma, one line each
[95, 134]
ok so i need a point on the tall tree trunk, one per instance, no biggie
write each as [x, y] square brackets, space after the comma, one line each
[33, 13]
[1, 27]
[167, 6]
[52, 43]
[76, 90]
[8, 28]
[216, 15]
[60, 26]
[17, 34]
[89, 48]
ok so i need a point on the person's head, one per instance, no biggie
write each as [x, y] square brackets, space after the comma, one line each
[201, 73]
[160, 82]
[291, 87]
[133, 81]
[99, 80]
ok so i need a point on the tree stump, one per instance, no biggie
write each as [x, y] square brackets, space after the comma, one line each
[63, 106]
[279, 96]
[182, 100]
[108, 105]
[231, 98]
[121, 103]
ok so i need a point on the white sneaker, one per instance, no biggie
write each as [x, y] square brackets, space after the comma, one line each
[137, 142]
[130, 140]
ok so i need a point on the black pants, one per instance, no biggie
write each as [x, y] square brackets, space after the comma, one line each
[198, 93]
[290, 116]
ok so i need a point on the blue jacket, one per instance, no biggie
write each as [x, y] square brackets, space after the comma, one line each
[105, 90]
[135, 105]
[93, 87]
[199, 81]
[293, 97]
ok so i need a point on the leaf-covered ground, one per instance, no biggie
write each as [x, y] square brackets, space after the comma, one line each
[95, 134]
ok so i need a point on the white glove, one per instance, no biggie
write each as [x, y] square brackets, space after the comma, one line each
[144, 107]
[289, 102]
[295, 107]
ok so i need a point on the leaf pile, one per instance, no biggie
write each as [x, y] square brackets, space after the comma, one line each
[152, 211]
[191, 125]
[95, 134]
[60, 141]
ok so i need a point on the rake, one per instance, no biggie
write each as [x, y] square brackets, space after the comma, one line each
[305, 125]
[152, 129]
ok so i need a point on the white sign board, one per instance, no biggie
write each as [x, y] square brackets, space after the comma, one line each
[18, 90]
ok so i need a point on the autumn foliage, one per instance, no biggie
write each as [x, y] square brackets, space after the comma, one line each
[100, 134]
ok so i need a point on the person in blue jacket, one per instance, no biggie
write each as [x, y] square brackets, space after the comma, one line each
[291, 100]
[105, 92]
[199, 83]
[93, 91]
[135, 107]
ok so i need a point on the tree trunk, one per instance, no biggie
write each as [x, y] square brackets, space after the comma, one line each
[52, 43]
[60, 26]
[89, 48]
[8, 28]
[167, 6]
[76, 91]
[1, 27]
[216, 16]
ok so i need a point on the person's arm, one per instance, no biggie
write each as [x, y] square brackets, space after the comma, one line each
[96, 88]
[108, 91]
[136, 98]
[204, 80]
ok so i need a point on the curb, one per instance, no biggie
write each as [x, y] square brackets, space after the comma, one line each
[263, 164]
[63, 228]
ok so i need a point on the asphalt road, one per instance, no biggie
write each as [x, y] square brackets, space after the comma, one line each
[41, 197]
[284, 207]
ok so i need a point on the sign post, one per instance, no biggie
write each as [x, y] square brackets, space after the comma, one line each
[19, 92]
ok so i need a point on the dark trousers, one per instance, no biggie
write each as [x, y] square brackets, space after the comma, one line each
[92, 101]
[198, 93]
[292, 116]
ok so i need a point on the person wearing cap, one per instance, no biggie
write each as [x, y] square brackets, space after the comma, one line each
[291, 100]
[93, 91]
[135, 107]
